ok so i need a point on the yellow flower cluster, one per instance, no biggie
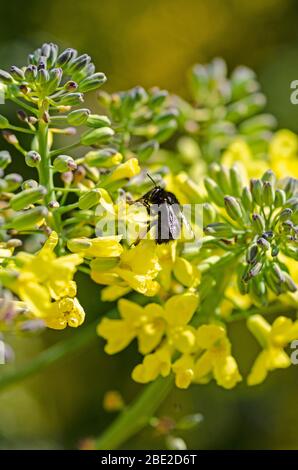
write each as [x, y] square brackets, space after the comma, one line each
[273, 338]
[45, 283]
[163, 332]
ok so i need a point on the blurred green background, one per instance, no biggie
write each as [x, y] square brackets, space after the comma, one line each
[153, 43]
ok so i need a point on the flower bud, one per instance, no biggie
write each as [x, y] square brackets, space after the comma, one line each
[236, 181]
[252, 253]
[256, 188]
[4, 123]
[277, 273]
[28, 219]
[29, 184]
[17, 73]
[97, 136]
[158, 98]
[209, 214]
[165, 132]
[5, 159]
[76, 245]
[125, 170]
[214, 192]
[89, 199]
[78, 117]
[72, 99]
[219, 229]
[254, 271]
[270, 177]
[103, 264]
[268, 193]
[263, 243]
[55, 76]
[146, 150]
[280, 198]
[285, 214]
[25, 198]
[246, 199]
[5, 77]
[95, 120]
[233, 207]
[33, 159]
[64, 163]
[292, 287]
[10, 137]
[79, 63]
[224, 180]
[65, 57]
[42, 77]
[92, 82]
[30, 73]
[13, 181]
[104, 158]
[67, 177]
[71, 86]
[258, 223]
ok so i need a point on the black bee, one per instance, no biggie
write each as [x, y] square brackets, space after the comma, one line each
[165, 213]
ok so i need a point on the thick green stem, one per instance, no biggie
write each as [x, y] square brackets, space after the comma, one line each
[135, 417]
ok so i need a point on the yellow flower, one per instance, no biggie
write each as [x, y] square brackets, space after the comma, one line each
[43, 278]
[150, 324]
[217, 359]
[273, 338]
[153, 365]
[283, 153]
[239, 153]
[125, 170]
[101, 247]
[137, 269]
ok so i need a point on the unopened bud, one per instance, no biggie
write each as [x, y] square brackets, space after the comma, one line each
[78, 117]
[5, 77]
[13, 181]
[233, 207]
[25, 198]
[268, 193]
[258, 223]
[214, 192]
[28, 219]
[72, 99]
[92, 82]
[89, 199]
[4, 123]
[256, 188]
[97, 136]
[104, 158]
[95, 120]
[63, 163]
[33, 159]
[5, 159]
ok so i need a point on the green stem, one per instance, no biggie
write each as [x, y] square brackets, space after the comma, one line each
[45, 167]
[62, 150]
[50, 356]
[136, 416]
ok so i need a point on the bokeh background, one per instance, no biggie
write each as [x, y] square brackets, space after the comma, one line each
[153, 42]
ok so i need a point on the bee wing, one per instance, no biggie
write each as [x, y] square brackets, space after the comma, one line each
[168, 223]
[187, 232]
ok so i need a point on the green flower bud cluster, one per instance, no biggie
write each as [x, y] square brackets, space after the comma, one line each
[143, 119]
[62, 77]
[225, 107]
[257, 222]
